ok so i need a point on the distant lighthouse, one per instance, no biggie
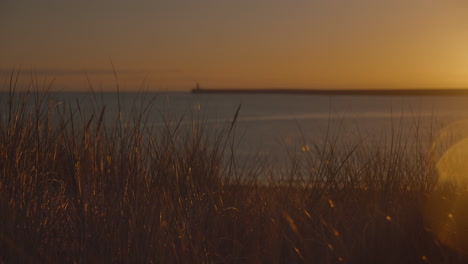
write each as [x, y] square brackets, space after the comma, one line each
[197, 88]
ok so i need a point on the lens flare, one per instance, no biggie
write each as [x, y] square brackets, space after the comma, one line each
[446, 211]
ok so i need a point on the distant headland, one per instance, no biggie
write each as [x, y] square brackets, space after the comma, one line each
[364, 92]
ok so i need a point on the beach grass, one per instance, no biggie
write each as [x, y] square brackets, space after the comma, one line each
[87, 186]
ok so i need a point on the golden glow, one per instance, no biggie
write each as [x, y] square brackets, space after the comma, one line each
[243, 44]
[453, 165]
[446, 209]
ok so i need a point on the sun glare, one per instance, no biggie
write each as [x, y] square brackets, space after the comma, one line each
[446, 207]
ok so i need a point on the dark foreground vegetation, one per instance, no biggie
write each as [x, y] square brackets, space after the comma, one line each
[88, 187]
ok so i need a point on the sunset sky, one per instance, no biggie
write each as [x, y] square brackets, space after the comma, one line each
[174, 44]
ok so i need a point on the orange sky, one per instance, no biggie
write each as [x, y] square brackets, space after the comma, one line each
[239, 44]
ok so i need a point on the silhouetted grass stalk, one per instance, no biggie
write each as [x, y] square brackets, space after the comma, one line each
[75, 189]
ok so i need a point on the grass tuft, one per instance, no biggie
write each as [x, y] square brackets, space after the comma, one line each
[79, 186]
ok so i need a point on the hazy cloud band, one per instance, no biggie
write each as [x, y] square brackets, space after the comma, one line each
[69, 72]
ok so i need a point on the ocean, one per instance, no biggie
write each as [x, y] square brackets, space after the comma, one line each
[276, 125]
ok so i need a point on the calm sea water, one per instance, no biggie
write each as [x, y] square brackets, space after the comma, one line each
[269, 124]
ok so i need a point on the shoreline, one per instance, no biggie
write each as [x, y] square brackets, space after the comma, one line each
[385, 92]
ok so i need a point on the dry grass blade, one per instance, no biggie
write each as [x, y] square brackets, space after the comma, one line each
[75, 189]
